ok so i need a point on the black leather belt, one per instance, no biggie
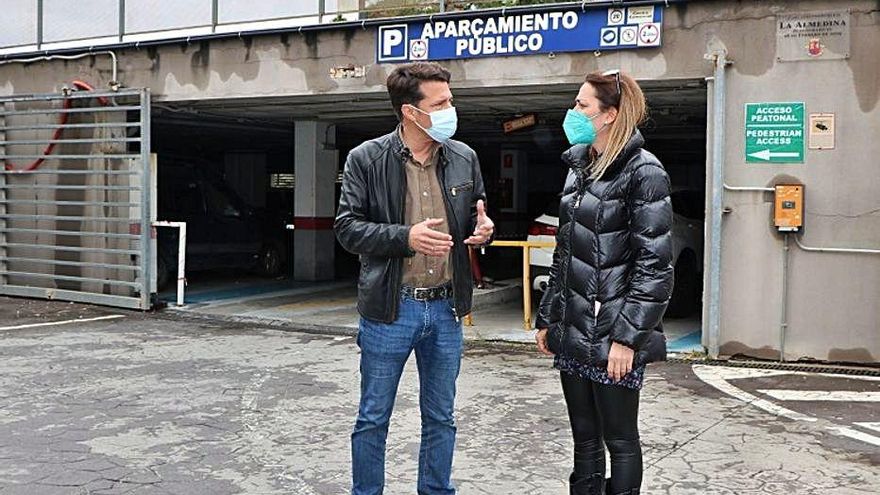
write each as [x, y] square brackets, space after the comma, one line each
[427, 294]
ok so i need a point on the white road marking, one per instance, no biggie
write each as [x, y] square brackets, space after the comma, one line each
[856, 435]
[823, 395]
[743, 373]
[870, 426]
[848, 377]
[716, 377]
[65, 322]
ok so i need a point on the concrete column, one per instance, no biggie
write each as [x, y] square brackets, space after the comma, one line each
[316, 167]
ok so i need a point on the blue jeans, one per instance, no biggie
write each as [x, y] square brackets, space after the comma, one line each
[429, 329]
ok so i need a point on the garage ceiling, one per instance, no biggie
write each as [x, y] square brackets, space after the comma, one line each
[479, 106]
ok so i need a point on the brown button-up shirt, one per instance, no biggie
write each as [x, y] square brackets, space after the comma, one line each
[424, 200]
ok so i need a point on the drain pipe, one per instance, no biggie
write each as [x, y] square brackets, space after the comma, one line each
[783, 327]
[797, 239]
[719, 58]
[114, 81]
[786, 255]
[783, 322]
[834, 250]
[749, 189]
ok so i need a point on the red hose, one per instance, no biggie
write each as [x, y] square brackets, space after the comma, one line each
[83, 86]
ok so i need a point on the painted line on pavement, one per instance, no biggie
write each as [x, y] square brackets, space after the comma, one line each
[865, 378]
[870, 426]
[822, 395]
[856, 435]
[715, 376]
[65, 322]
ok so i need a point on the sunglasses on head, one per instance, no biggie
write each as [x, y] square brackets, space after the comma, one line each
[616, 74]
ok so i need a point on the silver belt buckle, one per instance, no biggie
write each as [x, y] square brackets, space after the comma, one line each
[418, 297]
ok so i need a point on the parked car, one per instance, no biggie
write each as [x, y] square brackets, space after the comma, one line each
[687, 241]
[222, 231]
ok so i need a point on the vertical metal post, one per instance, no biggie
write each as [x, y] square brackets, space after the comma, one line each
[121, 19]
[215, 15]
[707, 206]
[181, 263]
[322, 9]
[442, 6]
[527, 289]
[39, 24]
[146, 226]
[154, 208]
[718, 150]
[783, 326]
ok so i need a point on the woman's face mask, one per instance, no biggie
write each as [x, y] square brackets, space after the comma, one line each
[579, 128]
[444, 123]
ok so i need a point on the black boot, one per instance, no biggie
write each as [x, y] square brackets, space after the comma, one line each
[610, 491]
[586, 485]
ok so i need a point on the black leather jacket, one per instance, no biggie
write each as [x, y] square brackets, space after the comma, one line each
[370, 220]
[614, 245]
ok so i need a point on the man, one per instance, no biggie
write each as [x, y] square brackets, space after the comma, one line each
[412, 205]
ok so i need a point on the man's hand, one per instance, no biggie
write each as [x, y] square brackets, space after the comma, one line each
[425, 240]
[485, 227]
[620, 359]
[541, 339]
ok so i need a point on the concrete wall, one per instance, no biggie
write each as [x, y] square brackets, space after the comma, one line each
[833, 314]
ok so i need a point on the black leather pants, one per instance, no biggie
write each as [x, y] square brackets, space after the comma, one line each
[603, 416]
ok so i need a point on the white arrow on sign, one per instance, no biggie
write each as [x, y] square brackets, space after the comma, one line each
[767, 154]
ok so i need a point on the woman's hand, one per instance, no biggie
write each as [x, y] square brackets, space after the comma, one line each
[541, 339]
[620, 360]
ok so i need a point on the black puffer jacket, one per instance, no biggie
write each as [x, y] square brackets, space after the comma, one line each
[614, 245]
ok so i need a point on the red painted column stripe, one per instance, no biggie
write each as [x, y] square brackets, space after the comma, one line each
[313, 223]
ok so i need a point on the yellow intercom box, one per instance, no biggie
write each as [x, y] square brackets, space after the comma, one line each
[789, 212]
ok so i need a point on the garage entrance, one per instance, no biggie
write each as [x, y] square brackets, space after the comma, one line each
[250, 144]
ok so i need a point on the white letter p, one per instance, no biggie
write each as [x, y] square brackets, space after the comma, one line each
[390, 39]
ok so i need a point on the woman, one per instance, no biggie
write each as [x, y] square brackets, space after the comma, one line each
[610, 281]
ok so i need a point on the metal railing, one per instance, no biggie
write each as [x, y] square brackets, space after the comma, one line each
[526, 247]
[75, 196]
[45, 25]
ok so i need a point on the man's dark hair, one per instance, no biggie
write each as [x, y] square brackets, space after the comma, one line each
[405, 81]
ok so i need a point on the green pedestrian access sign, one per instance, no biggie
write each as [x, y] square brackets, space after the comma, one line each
[774, 133]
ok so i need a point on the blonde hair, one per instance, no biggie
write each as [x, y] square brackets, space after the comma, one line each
[631, 112]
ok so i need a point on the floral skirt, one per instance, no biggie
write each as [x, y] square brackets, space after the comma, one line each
[633, 380]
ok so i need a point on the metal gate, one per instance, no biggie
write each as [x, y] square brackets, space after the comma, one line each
[75, 205]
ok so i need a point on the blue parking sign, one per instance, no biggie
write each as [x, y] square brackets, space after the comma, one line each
[393, 43]
[522, 32]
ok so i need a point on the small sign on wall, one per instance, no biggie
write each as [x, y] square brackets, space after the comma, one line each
[813, 36]
[520, 123]
[774, 132]
[821, 131]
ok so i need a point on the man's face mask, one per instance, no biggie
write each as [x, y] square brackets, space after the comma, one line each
[444, 123]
